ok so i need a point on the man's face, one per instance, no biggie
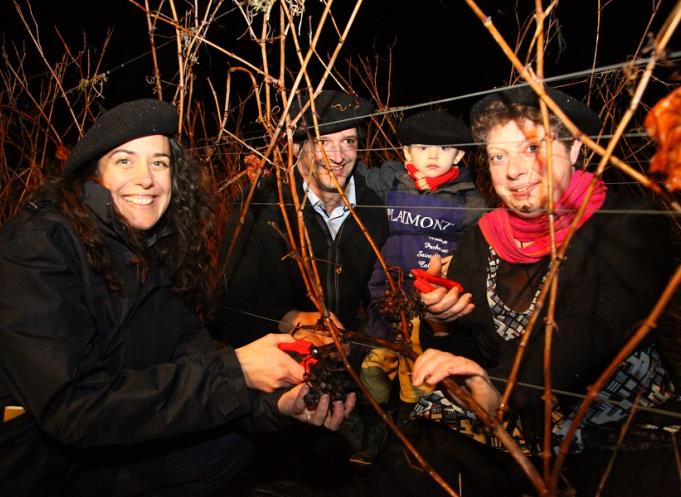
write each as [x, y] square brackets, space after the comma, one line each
[341, 151]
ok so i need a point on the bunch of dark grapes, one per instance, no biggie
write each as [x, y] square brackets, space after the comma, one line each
[406, 298]
[327, 375]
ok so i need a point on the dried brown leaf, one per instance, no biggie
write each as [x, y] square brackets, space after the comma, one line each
[663, 124]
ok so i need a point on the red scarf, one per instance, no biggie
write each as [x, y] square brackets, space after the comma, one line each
[502, 227]
[431, 184]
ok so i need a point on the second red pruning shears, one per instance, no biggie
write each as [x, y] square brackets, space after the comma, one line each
[301, 351]
[423, 279]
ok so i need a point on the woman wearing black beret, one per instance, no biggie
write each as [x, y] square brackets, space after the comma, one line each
[616, 266]
[109, 383]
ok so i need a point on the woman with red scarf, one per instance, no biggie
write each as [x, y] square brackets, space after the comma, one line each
[616, 266]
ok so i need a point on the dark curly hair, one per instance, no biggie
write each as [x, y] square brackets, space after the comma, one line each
[189, 254]
[498, 113]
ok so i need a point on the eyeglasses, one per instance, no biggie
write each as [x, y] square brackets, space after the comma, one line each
[329, 146]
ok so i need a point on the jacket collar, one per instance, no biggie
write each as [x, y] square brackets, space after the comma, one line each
[98, 200]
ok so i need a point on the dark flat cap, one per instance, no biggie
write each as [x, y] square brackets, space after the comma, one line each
[585, 119]
[433, 127]
[122, 124]
[336, 111]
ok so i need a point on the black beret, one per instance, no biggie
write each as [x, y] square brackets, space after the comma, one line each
[433, 127]
[336, 111]
[122, 124]
[585, 119]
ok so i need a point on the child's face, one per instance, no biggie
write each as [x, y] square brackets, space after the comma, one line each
[432, 160]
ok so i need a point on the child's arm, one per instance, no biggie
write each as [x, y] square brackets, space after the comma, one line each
[380, 179]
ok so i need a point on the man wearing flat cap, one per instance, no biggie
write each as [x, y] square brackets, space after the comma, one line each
[265, 292]
[267, 284]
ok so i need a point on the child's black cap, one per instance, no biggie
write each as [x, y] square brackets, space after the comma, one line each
[433, 127]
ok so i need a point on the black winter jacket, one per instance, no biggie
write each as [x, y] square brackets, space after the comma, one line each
[93, 369]
[615, 269]
[266, 283]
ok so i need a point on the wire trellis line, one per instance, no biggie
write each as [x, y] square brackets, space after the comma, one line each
[645, 212]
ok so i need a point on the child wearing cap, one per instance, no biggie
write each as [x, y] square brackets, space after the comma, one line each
[430, 201]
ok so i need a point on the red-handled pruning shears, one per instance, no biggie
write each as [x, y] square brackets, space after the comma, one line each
[423, 279]
[301, 351]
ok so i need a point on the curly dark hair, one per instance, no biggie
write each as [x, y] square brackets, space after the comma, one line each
[498, 113]
[189, 254]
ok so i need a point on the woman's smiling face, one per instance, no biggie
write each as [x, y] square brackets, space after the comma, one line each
[517, 159]
[139, 176]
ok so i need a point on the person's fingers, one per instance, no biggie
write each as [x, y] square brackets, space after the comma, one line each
[466, 367]
[318, 416]
[435, 297]
[449, 307]
[435, 265]
[335, 416]
[450, 299]
[292, 371]
[335, 320]
[299, 402]
[419, 368]
[425, 365]
[350, 402]
[434, 366]
[277, 338]
[440, 301]
[284, 368]
[457, 311]
[296, 372]
[325, 414]
[445, 265]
